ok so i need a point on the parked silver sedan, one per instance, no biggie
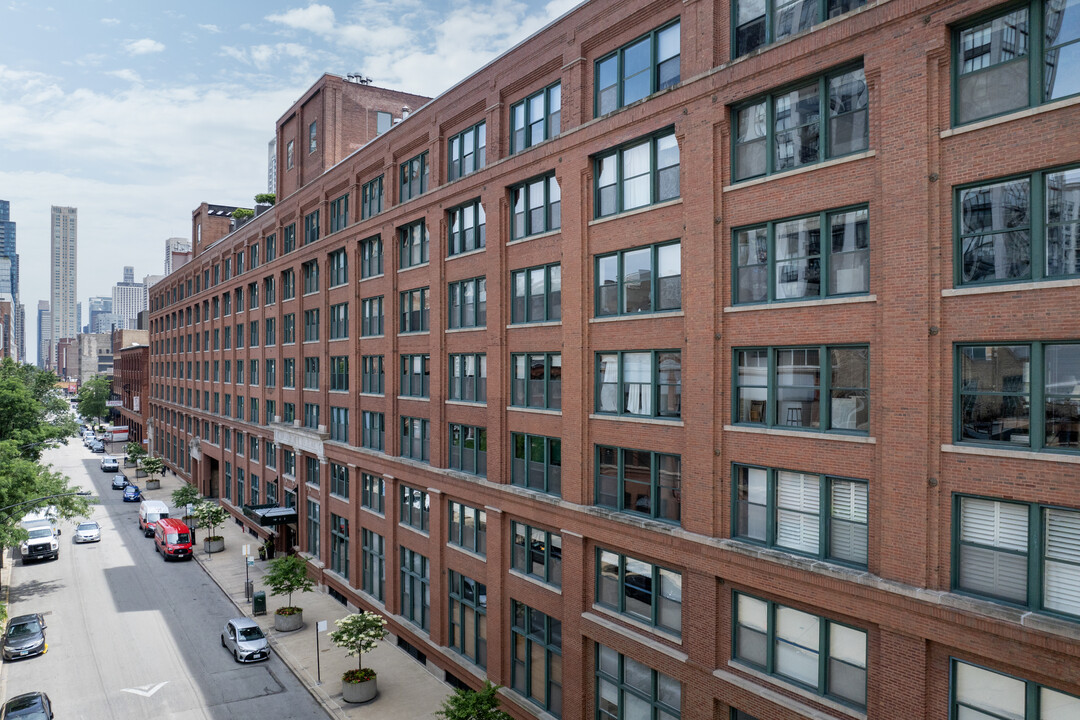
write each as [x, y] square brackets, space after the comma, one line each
[88, 531]
[244, 638]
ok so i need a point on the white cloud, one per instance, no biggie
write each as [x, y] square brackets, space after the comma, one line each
[314, 18]
[110, 21]
[262, 57]
[211, 28]
[143, 46]
[126, 74]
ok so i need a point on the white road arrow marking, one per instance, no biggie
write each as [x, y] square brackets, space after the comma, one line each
[145, 690]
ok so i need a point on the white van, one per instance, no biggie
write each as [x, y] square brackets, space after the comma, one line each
[43, 541]
[150, 511]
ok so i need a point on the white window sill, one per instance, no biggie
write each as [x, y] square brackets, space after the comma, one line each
[635, 211]
[537, 236]
[808, 434]
[1010, 287]
[534, 411]
[454, 331]
[1011, 454]
[781, 699]
[774, 305]
[801, 170]
[636, 419]
[1018, 115]
[414, 267]
[448, 258]
[612, 619]
[638, 316]
[535, 581]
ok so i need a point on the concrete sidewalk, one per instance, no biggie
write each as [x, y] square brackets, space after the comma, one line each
[407, 691]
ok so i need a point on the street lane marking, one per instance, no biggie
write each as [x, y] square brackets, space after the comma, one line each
[145, 690]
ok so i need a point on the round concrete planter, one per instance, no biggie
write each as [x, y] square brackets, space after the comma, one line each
[214, 546]
[288, 623]
[153, 484]
[360, 692]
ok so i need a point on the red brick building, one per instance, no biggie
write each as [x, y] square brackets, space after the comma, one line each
[131, 385]
[853, 226]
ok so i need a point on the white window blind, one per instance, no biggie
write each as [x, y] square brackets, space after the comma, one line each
[1061, 581]
[797, 638]
[1054, 705]
[993, 551]
[798, 503]
[979, 689]
[848, 533]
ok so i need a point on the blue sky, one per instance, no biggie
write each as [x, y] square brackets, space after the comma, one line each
[135, 111]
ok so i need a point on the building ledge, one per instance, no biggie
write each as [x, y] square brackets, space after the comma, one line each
[782, 305]
[861, 439]
[774, 696]
[1011, 454]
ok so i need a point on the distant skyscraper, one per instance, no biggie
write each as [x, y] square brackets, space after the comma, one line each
[271, 173]
[9, 276]
[128, 300]
[64, 291]
[175, 245]
[129, 274]
[101, 315]
[46, 349]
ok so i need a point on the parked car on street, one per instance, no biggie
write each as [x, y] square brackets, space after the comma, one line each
[119, 482]
[132, 494]
[88, 531]
[110, 464]
[97, 446]
[244, 638]
[28, 706]
[43, 541]
[25, 637]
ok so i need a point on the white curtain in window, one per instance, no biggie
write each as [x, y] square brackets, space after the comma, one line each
[637, 383]
[798, 502]
[989, 691]
[1062, 573]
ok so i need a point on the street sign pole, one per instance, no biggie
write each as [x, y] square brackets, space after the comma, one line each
[320, 626]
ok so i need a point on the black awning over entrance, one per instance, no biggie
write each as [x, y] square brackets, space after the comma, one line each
[270, 514]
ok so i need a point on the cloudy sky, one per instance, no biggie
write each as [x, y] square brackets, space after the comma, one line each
[135, 111]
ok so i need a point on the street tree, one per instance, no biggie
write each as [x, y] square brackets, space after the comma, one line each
[186, 494]
[287, 575]
[135, 452]
[27, 486]
[210, 516]
[93, 395]
[153, 466]
[357, 634]
[473, 704]
[32, 414]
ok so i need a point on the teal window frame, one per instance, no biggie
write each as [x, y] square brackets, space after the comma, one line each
[339, 372]
[823, 652]
[374, 430]
[312, 470]
[311, 276]
[373, 558]
[338, 266]
[1039, 550]
[339, 321]
[660, 181]
[751, 242]
[536, 118]
[372, 374]
[288, 239]
[617, 62]
[270, 372]
[339, 424]
[414, 320]
[288, 284]
[373, 492]
[311, 373]
[466, 151]
[312, 227]
[536, 462]
[271, 247]
[372, 317]
[749, 510]
[535, 207]
[270, 410]
[536, 553]
[528, 628]
[339, 213]
[270, 332]
[467, 599]
[288, 330]
[657, 261]
[467, 527]
[523, 382]
[339, 480]
[467, 448]
[228, 481]
[253, 334]
[415, 588]
[415, 376]
[466, 228]
[768, 116]
[288, 462]
[659, 380]
[414, 175]
[339, 545]
[1035, 695]
[630, 580]
[311, 415]
[768, 415]
[371, 257]
[371, 198]
[416, 438]
[462, 313]
[413, 245]
[415, 508]
[611, 668]
[311, 325]
[522, 297]
[825, 10]
[661, 494]
[253, 295]
[466, 386]
[313, 528]
[288, 412]
[269, 458]
[1042, 222]
[288, 367]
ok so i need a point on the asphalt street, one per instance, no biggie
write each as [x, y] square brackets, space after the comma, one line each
[130, 635]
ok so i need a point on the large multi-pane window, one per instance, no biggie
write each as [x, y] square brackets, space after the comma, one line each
[785, 260]
[271, 247]
[288, 412]
[626, 688]
[647, 384]
[313, 528]
[468, 378]
[807, 513]
[1019, 395]
[536, 207]
[468, 449]
[311, 227]
[288, 462]
[339, 545]
[271, 332]
[373, 557]
[536, 657]
[268, 290]
[820, 119]
[339, 321]
[468, 527]
[639, 589]
[312, 467]
[466, 228]
[371, 257]
[311, 373]
[536, 462]
[821, 655]
[311, 276]
[271, 372]
[467, 306]
[288, 284]
[414, 311]
[536, 294]
[372, 375]
[639, 481]
[784, 387]
[756, 23]
[288, 367]
[1022, 57]
[638, 69]
[536, 552]
[977, 692]
[413, 242]
[415, 375]
[643, 172]
[414, 177]
[467, 151]
[640, 280]
[415, 589]
[311, 415]
[536, 380]
[339, 267]
[467, 622]
[373, 432]
[1020, 229]
[371, 316]
[1021, 553]
[339, 372]
[373, 492]
[311, 325]
[339, 213]
[270, 457]
[536, 118]
[339, 424]
[288, 328]
[371, 198]
[339, 480]
[415, 438]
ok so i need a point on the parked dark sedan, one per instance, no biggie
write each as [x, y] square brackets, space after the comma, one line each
[132, 494]
[25, 637]
[119, 482]
[30, 706]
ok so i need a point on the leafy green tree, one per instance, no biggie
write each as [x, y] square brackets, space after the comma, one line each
[27, 486]
[211, 516]
[359, 633]
[153, 466]
[473, 705]
[287, 575]
[92, 397]
[33, 415]
[186, 494]
[135, 452]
